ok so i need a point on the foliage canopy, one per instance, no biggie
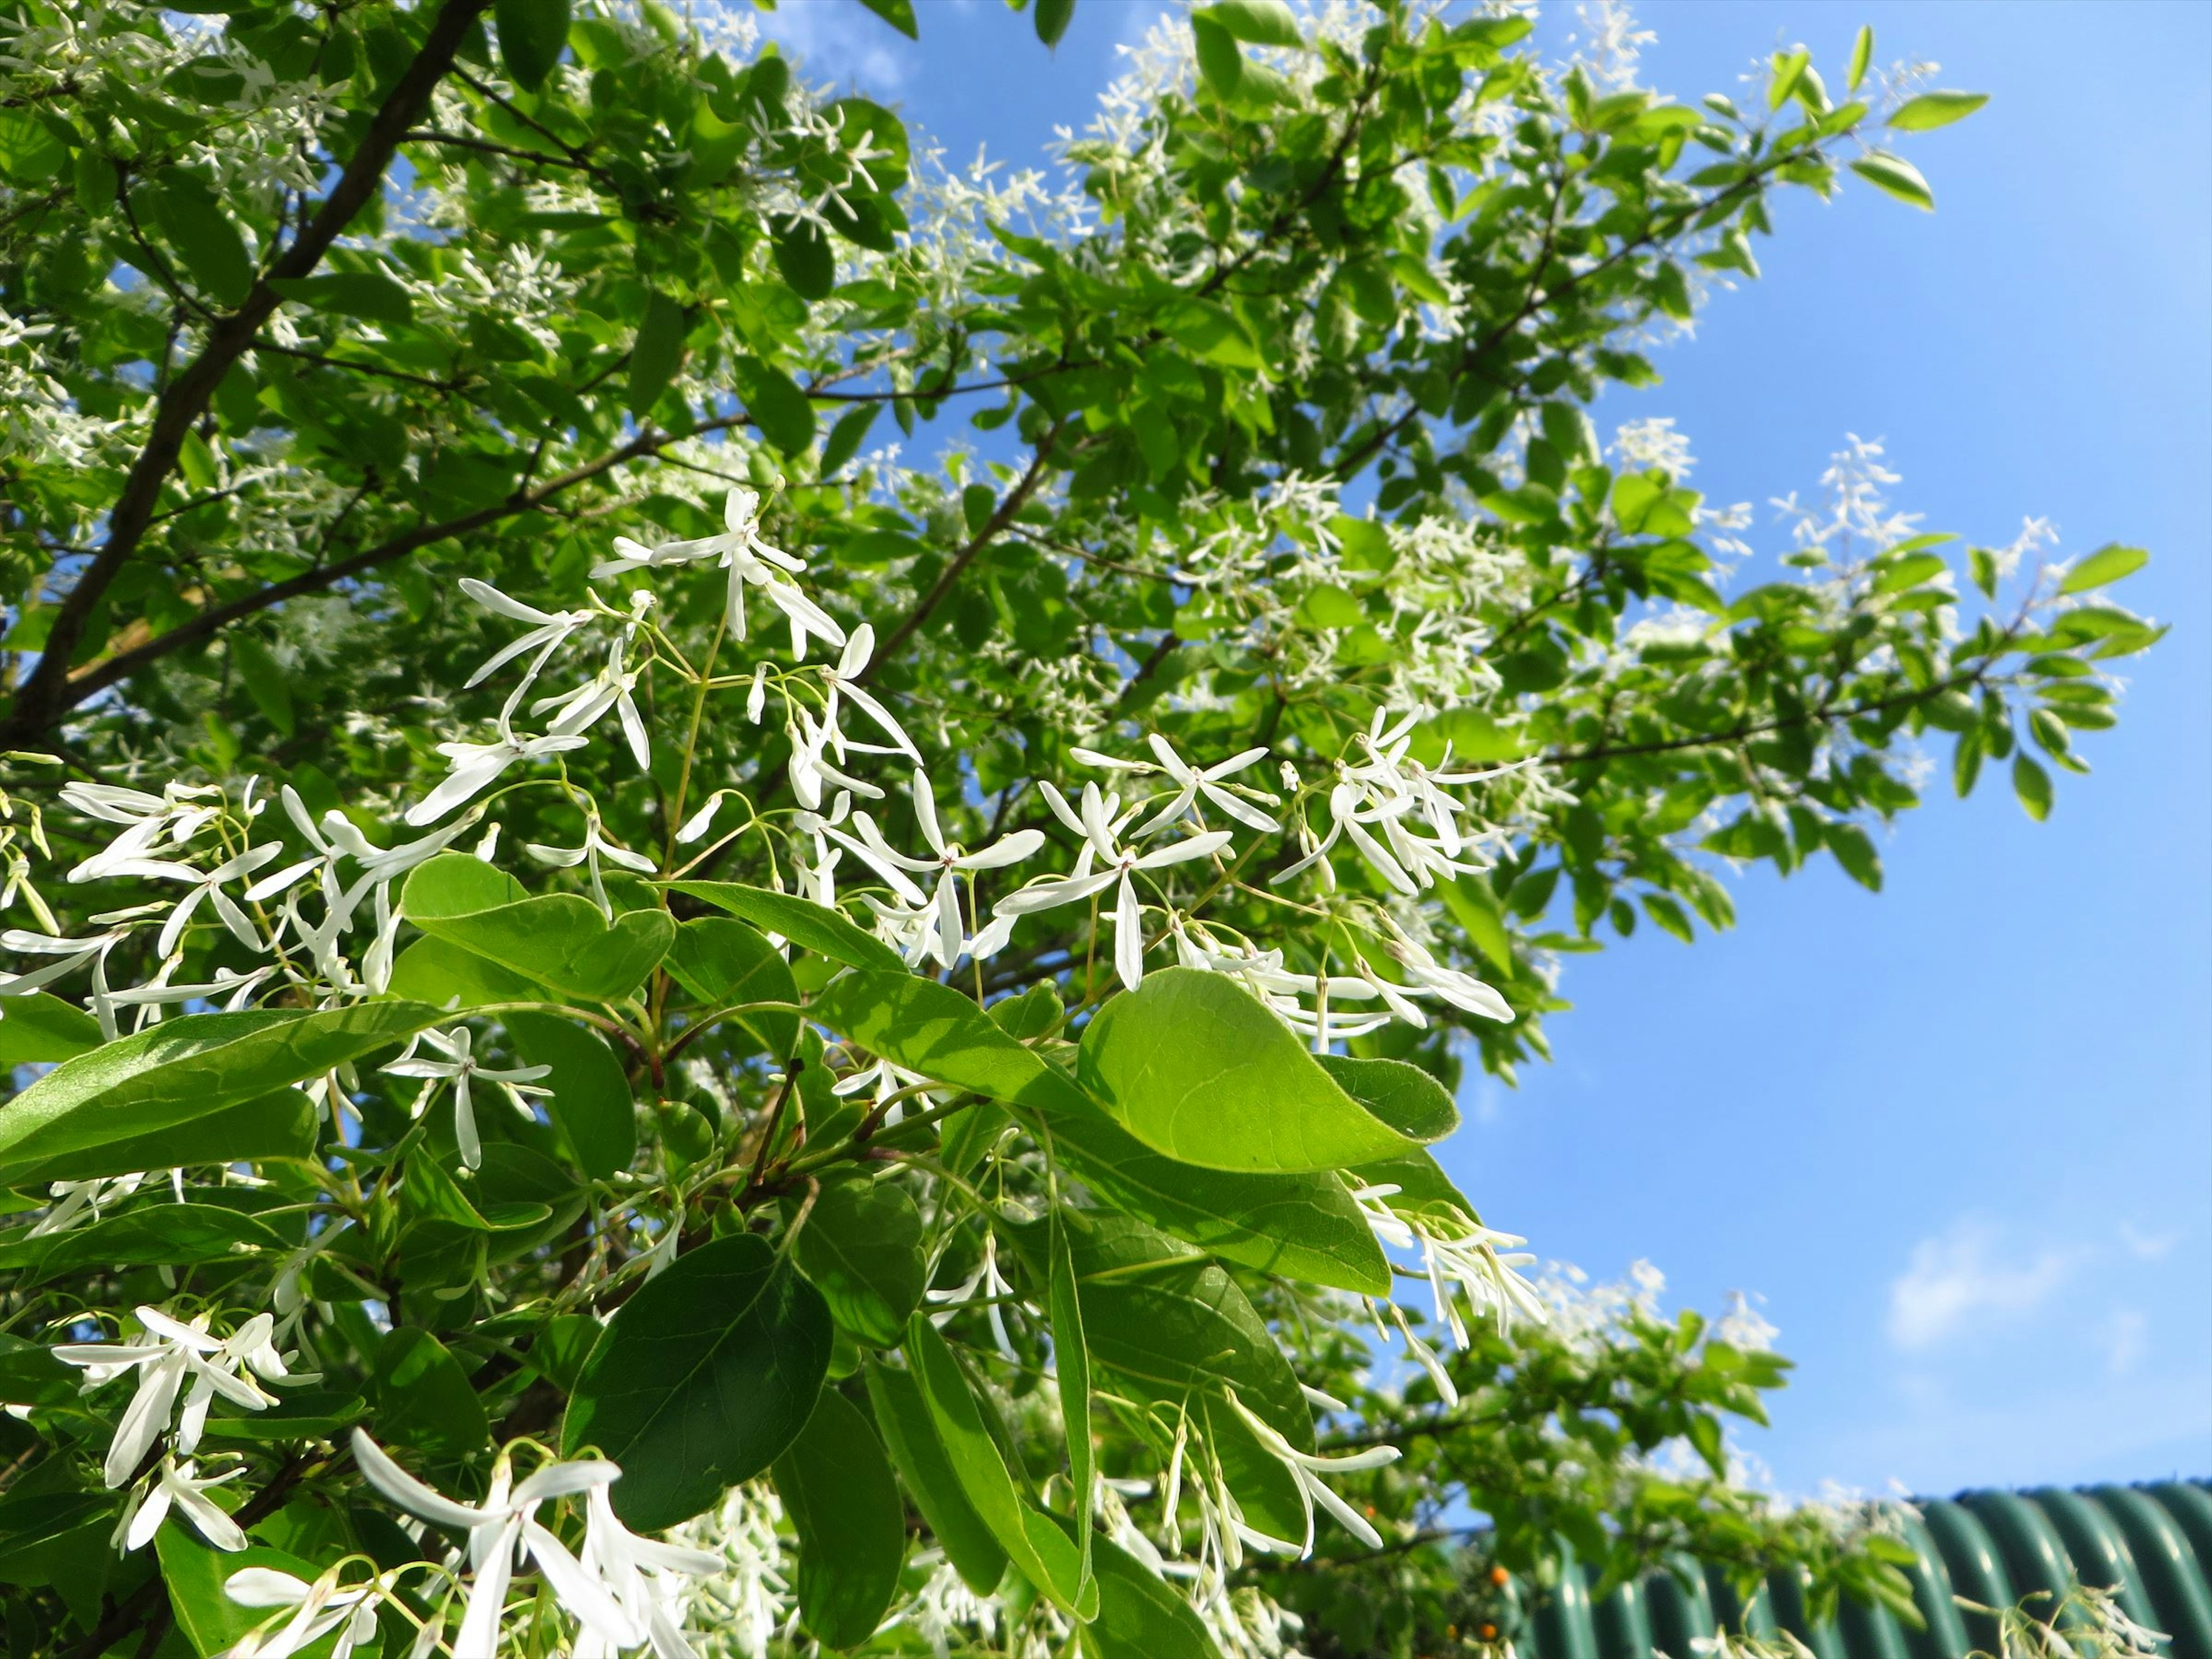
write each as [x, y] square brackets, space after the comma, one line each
[630, 962]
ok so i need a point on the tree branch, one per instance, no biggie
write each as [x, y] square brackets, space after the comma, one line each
[47, 694]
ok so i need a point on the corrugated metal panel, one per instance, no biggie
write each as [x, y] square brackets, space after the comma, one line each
[2151, 1545]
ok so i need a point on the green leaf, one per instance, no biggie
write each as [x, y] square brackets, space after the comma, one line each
[726, 964]
[275, 1126]
[657, 352]
[861, 1248]
[1052, 18]
[1220, 65]
[803, 258]
[702, 1379]
[1195, 1065]
[2103, 567]
[814, 926]
[368, 294]
[1789, 68]
[1931, 110]
[1966, 763]
[1896, 176]
[266, 683]
[165, 1235]
[591, 1103]
[1256, 22]
[1854, 850]
[1170, 1320]
[30, 155]
[837, 1490]
[184, 1069]
[1047, 1557]
[424, 1399]
[560, 940]
[910, 1435]
[846, 437]
[932, 1029]
[899, 14]
[1070, 1358]
[532, 34]
[2033, 785]
[1424, 1191]
[191, 219]
[1301, 1227]
[1140, 1615]
[39, 1027]
[1406, 1097]
[778, 409]
[1862, 56]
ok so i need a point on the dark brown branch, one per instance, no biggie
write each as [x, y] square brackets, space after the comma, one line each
[47, 694]
[216, 617]
[1015, 499]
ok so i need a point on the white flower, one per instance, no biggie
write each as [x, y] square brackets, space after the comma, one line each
[1100, 831]
[205, 884]
[318, 1609]
[1307, 1468]
[596, 846]
[943, 935]
[503, 1530]
[844, 683]
[79, 1201]
[181, 1485]
[70, 955]
[148, 819]
[613, 687]
[1463, 991]
[1191, 783]
[994, 1287]
[177, 1352]
[809, 771]
[476, 764]
[1457, 1250]
[636, 1572]
[460, 1067]
[548, 630]
[741, 550]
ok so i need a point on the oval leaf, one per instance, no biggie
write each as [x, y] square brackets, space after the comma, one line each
[838, 1489]
[1195, 1067]
[932, 1029]
[560, 940]
[704, 1377]
[186, 1068]
[861, 1248]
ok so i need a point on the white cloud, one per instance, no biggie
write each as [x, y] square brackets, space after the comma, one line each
[2127, 1335]
[2146, 1246]
[1961, 1274]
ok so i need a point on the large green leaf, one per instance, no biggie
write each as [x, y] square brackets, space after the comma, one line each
[154, 1235]
[838, 1489]
[184, 1069]
[1407, 1098]
[702, 1379]
[1047, 1556]
[191, 218]
[1170, 1320]
[1195, 1065]
[279, 1125]
[861, 1248]
[1302, 1226]
[39, 1027]
[1070, 1358]
[1140, 1615]
[726, 964]
[531, 35]
[423, 1397]
[910, 1435]
[591, 1101]
[932, 1029]
[443, 975]
[814, 926]
[560, 939]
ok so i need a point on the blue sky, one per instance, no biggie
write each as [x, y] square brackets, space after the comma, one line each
[1958, 1137]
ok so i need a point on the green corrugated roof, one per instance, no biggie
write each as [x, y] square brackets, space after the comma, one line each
[2151, 1544]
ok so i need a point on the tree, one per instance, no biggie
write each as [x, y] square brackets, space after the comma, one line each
[538, 1056]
